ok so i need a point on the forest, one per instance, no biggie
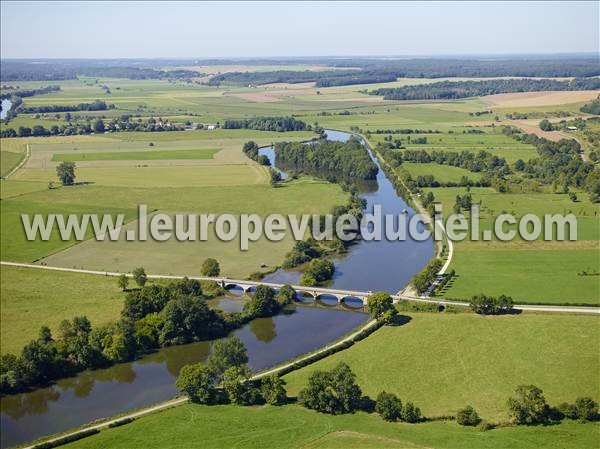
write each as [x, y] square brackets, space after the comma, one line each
[335, 161]
[364, 71]
[279, 124]
[68, 70]
[447, 90]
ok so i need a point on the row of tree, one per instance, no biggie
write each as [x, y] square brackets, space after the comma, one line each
[22, 93]
[480, 162]
[362, 71]
[250, 149]
[279, 124]
[97, 105]
[490, 305]
[98, 126]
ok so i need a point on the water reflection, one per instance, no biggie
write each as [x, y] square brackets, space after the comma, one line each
[263, 329]
[373, 265]
[96, 394]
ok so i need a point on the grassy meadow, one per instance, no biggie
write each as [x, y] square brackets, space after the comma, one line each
[290, 426]
[136, 155]
[442, 362]
[32, 298]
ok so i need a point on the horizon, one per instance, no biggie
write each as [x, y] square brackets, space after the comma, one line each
[232, 30]
[234, 58]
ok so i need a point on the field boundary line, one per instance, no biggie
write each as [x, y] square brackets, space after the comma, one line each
[20, 164]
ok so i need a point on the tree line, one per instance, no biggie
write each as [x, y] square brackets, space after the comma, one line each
[446, 90]
[97, 105]
[31, 71]
[279, 124]
[124, 124]
[29, 92]
[363, 71]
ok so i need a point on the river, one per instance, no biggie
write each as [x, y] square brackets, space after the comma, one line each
[373, 265]
[106, 392]
[6, 105]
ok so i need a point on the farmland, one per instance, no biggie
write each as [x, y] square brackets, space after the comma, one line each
[472, 360]
[32, 299]
[294, 427]
[441, 362]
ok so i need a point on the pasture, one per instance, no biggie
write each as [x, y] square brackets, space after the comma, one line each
[293, 427]
[136, 155]
[32, 298]
[175, 257]
[442, 362]
[12, 153]
[441, 173]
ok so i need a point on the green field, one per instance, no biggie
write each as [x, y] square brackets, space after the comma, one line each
[220, 427]
[186, 257]
[441, 173]
[12, 153]
[10, 188]
[442, 362]
[498, 271]
[136, 155]
[32, 298]
[458, 139]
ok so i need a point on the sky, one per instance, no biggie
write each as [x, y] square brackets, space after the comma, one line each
[50, 29]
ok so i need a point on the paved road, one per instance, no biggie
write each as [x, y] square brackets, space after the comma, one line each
[397, 297]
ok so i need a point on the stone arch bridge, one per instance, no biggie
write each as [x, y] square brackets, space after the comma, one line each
[316, 292]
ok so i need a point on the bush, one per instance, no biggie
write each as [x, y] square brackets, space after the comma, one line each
[467, 417]
[262, 304]
[586, 408]
[272, 389]
[410, 413]
[388, 406]
[197, 381]
[489, 305]
[286, 295]
[121, 422]
[484, 426]
[210, 267]
[67, 439]
[334, 392]
[140, 277]
[529, 406]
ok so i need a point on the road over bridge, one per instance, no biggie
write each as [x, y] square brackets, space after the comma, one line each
[316, 292]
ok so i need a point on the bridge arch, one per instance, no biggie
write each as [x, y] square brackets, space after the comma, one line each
[305, 296]
[353, 302]
[327, 299]
[234, 289]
